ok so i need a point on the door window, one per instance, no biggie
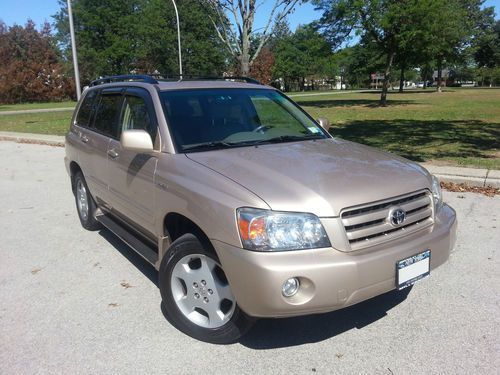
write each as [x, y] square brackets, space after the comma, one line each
[136, 115]
[108, 114]
[86, 109]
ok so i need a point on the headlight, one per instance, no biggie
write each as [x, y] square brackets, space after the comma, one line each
[436, 192]
[274, 231]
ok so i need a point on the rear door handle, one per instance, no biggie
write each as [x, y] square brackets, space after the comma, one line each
[84, 139]
[113, 154]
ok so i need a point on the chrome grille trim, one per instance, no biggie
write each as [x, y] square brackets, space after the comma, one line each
[369, 224]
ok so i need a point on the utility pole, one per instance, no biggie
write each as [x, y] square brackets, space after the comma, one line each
[178, 38]
[73, 50]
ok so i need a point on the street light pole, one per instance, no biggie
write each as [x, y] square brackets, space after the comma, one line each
[178, 38]
[73, 50]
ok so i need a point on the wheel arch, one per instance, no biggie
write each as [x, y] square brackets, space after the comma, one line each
[74, 168]
[176, 225]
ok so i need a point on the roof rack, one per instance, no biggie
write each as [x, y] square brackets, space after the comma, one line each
[123, 78]
[154, 78]
[232, 78]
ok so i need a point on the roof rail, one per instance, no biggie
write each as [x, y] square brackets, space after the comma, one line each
[187, 77]
[233, 78]
[246, 79]
[123, 78]
[154, 78]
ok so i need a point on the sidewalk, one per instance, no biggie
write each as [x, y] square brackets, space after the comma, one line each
[41, 110]
[457, 175]
[43, 139]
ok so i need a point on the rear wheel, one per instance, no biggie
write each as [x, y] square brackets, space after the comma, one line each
[85, 204]
[197, 298]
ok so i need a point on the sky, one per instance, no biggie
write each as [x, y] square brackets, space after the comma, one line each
[18, 12]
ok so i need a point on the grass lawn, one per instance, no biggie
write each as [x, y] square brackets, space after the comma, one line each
[42, 123]
[457, 126]
[19, 107]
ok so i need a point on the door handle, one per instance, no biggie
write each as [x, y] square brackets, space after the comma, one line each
[113, 154]
[84, 139]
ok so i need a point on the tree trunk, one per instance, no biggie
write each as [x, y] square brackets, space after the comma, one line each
[244, 58]
[402, 78]
[387, 74]
[440, 75]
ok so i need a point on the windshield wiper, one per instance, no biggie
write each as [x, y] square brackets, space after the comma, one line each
[208, 146]
[289, 138]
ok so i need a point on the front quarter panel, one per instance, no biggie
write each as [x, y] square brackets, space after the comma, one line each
[204, 196]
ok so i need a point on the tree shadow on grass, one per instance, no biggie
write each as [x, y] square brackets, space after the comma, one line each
[279, 333]
[429, 90]
[421, 140]
[351, 102]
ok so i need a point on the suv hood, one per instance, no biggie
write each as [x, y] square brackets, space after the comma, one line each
[321, 176]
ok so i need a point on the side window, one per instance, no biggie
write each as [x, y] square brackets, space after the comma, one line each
[85, 111]
[108, 113]
[137, 115]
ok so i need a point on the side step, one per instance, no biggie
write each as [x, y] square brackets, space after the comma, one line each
[139, 246]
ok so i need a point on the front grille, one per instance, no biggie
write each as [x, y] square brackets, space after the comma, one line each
[369, 224]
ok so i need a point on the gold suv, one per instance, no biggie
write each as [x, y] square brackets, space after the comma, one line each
[247, 206]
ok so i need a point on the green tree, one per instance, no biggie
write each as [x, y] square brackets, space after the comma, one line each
[123, 36]
[303, 54]
[486, 43]
[404, 29]
[449, 33]
[203, 53]
[106, 35]
[380, 20]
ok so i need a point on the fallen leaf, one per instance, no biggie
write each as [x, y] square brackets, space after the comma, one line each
[459, 188]
[126, 285]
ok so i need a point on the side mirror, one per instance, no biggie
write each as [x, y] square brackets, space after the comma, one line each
[136, 140]
[324, 123]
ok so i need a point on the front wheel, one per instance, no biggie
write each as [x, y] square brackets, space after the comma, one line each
[197, 298]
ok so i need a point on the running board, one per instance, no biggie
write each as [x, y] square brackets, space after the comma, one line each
[135, 243]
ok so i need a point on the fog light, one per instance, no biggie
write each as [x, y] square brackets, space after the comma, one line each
[290, 287]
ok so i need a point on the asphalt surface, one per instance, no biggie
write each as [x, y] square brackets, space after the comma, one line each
[82, 302]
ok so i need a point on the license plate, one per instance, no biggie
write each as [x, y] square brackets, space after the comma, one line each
[412, 269]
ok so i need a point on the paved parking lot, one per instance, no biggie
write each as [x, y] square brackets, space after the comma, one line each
[79, 302]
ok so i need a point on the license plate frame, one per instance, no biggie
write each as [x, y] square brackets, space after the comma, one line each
[413, 269]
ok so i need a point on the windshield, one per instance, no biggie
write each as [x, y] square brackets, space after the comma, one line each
[207, 119]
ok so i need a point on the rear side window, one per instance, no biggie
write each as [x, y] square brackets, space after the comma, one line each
[108, 113]
[85, 111]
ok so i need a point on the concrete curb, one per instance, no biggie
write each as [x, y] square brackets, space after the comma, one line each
[467, 176]
[41, 110]
[39, 139]
[457, 175]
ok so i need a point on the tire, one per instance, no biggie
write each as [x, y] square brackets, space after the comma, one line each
[85, 204]
[196, 297]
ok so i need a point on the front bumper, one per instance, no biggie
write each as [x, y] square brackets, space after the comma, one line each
[330, 279]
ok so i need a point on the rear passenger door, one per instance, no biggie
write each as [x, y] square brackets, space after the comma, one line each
[131, 174]
[95, 137]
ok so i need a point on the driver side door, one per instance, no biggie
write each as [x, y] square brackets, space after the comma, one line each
[131, 174]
